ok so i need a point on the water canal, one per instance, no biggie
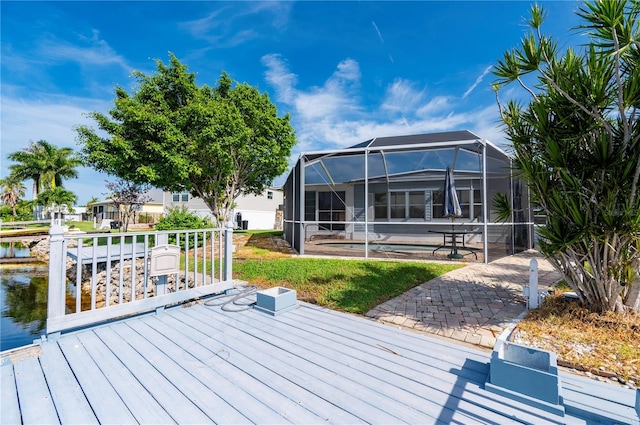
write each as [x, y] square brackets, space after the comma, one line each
[23, 296]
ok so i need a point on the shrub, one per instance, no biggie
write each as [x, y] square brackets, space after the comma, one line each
[180, 218]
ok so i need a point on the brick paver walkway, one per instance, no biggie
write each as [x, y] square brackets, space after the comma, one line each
[473, 304]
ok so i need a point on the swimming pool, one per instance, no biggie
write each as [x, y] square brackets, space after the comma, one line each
[386, 247]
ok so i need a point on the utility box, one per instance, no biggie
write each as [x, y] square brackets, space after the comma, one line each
[276, 300]
[527, 374]
[165, 259]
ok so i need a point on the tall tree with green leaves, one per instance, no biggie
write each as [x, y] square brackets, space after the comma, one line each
[215, 142]
[12, 191]
[45, 164]
[577, 144]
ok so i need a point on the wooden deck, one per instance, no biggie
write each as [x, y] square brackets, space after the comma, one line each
[200, 364]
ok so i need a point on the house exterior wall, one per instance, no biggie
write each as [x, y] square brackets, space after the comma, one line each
[261, 212]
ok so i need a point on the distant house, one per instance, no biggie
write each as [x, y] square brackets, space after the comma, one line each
[150, 212]
[78, 214]
[251, 212]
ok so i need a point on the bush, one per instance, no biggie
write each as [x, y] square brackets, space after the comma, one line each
[145, 218]
[23, 209]
[180, 218]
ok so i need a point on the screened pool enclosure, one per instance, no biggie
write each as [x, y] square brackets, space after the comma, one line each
[386, 198]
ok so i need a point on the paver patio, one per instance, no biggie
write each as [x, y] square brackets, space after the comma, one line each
[473, 304]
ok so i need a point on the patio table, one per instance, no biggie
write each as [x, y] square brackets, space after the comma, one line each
[452, 237]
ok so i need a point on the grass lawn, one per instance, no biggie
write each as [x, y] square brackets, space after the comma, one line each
[355, 286]
[85, 226]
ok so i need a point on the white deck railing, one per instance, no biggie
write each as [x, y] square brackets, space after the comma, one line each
[97, 277]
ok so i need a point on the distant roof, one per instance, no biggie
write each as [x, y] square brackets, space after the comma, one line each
[449, 136]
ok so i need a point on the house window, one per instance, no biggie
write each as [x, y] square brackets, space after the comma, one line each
[310, 206]
[380, 206]
[415, 202]
[465, 198]
[180, 196]
[269, 194]
[331, 207]
[399, 205]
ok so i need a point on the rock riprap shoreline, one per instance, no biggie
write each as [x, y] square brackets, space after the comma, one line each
[119, 278]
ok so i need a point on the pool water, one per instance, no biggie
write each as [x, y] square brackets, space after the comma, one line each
[388, 247]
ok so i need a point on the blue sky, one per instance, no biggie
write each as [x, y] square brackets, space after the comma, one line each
[345, 71]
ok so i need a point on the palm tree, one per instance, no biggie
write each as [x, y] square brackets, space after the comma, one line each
[12, 191]
[57, 195]
[45, 164]
[29, 165]
[60, 164]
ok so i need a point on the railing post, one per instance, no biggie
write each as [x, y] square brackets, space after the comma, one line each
[57, 266]
[228, 252]
[533, 283]
[161, 283]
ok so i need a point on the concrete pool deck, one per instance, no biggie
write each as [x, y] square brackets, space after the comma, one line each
[473, 304]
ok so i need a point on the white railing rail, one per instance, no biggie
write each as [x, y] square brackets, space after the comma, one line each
[98, 277]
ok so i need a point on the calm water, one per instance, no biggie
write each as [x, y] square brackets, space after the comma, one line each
[13, 250]
[23, 299]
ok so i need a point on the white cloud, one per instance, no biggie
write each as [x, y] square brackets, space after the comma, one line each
[91, 51]
[220, 27]
[439, 105]
[478, 81]
[330, 116]
[347, 74]
[402, 96]
[280, 78]
[335, 98]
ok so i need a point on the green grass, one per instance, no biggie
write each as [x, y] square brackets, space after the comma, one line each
[85, 226]
[355, 286]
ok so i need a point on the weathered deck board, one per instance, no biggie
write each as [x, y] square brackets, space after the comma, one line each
[382, 373]
[361, 400]
[391, 389]
[598, 401]
[36, 405]
[62, 384]
[103, 398]
[310, 365]
[9, 408]
[148, 368]
[139, 402]
[258, 365]
[267, 405]
[205, 381]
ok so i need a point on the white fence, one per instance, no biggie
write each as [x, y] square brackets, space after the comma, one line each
[96, 277]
